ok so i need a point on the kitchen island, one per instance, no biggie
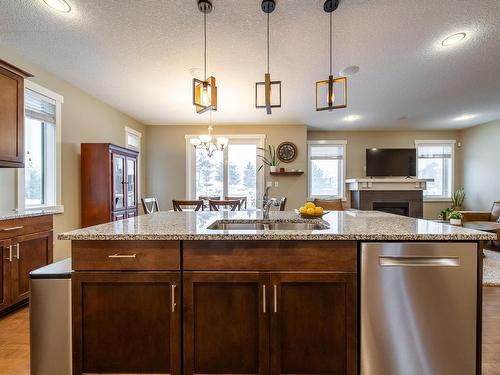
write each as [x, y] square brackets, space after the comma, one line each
[225, 292]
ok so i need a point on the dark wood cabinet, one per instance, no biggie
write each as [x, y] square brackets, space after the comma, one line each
[12, 115]
[26, 244]
[109, 183]
[226, 322]
[126, 322]
[313, 323]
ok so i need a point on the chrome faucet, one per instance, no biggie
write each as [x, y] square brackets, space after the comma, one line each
[267, 203]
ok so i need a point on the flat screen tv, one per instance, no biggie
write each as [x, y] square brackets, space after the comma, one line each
[391, 162]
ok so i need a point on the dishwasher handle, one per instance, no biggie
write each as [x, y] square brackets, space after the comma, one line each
[419, 261]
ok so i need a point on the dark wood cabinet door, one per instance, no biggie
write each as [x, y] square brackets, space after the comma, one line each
[118, 185]
[119, 215]
[131, 182]
[226, 323]
[5, 262]
[313, 323]
[29, 252]
[11, 119]
[126, 322]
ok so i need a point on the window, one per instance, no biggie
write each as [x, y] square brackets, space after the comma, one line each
[232, 172]
[132, 139]
[38, 182]
[326, 169]
[435, 161]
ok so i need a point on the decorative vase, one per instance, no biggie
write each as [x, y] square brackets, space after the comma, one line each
[455, 221]
[273, 168]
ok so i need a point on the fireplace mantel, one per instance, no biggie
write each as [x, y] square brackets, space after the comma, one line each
[400, 184]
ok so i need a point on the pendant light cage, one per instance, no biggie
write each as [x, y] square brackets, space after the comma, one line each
[331, 93]
[205, 91]
[268, 92]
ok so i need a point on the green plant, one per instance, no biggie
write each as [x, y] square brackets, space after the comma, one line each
[458, 198]
[269, 157]
[456, 215]
[445, 213]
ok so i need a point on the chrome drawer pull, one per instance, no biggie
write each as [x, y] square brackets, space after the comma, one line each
[173, 297]
[123, 256]
[12, 228]
[275, 298]
[419, 261]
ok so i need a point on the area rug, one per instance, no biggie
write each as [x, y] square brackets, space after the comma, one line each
[491, 268]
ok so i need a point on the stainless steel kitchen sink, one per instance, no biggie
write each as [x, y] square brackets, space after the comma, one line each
[271, 225]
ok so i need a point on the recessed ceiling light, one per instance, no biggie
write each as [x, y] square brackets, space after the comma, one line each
[349, 71]
[59, 5]
[352, 118]
[464, 117]
[453, 39]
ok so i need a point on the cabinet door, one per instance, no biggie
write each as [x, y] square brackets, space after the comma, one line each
[119, 215]
[131, 182]
[5, 265]
[29, 253]
[226, 323]
[126, 322]
[11, 119]
[313, 323]
[118, 182]
[132, 213]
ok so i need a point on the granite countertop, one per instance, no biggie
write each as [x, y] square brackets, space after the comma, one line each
[22, 213]
[343, 225]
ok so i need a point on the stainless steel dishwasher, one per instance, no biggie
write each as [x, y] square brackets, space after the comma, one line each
[50, 319]
[418, 308]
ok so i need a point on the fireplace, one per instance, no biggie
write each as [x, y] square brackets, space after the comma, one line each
[397, 208]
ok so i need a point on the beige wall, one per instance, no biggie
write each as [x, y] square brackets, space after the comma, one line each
[359, 141]
[481, 165]
[167, 159]
[84, 119]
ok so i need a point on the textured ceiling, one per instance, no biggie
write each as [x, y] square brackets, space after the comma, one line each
[136, 56]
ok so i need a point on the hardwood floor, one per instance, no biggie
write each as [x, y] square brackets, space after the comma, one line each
[14, 338]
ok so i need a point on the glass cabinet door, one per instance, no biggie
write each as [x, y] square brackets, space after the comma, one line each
[118, 182]
[131, 182]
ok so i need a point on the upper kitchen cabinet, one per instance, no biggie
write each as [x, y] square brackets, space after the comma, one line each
[12, 115]
[109, 183]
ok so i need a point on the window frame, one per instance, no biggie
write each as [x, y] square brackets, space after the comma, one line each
[138, 134]
[437, 142]
[259, 140]
[342, 166]
[56, 201]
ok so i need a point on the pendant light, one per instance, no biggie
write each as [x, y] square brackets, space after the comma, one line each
[268, 93]
[331, 93]
[205, 92]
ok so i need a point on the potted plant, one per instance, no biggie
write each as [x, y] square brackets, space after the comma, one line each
[458, 198]
[269, 158]
[456, 218]
[445, 213]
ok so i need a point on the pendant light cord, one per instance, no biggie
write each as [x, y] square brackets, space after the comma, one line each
[331, 42]
[268, 43]
[205, 47]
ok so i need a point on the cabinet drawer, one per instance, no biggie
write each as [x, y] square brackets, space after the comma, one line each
[125, 255]
[333, 256]
[21, 227]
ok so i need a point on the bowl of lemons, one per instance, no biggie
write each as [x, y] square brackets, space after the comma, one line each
[310, 210]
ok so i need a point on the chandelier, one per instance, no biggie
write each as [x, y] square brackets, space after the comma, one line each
[209, 143]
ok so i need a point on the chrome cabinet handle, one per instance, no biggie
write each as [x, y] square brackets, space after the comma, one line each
[11, 228]
[17, 251]
[419, 261]
[123, 256]
[275, 298]
[173, 297]
[264, 299]
[10, 254]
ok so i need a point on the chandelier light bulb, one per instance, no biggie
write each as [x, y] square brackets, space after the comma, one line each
[205, 138]
[195, 141]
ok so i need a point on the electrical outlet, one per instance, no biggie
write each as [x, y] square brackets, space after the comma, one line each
[275, 183]
[269, 184]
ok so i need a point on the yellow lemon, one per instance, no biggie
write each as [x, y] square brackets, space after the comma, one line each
[310, 205]
[310, 211]
[318, 210]
[303, 210]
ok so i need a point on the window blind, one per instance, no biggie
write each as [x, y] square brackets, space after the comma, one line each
[39, 107]
[326, 152]
[434, 151]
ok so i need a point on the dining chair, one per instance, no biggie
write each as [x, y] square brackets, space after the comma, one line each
[232, 205]
[329, 204]
[243, 200]
[206, 198]
[179, 204]
[150, 205]
[282, 203]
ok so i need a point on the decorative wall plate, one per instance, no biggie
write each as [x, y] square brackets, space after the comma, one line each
[287, 152]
